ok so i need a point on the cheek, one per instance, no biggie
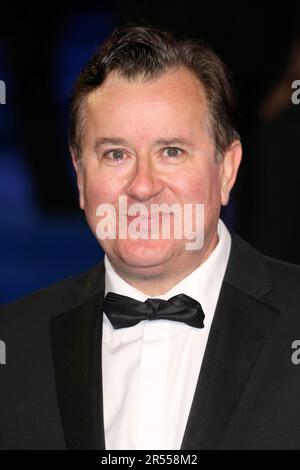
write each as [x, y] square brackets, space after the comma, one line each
[99, 190]
[201, 187]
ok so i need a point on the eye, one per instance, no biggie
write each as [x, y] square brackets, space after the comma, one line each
[173, 152]
[115, 155]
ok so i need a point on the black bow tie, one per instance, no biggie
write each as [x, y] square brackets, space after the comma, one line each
[124, 311]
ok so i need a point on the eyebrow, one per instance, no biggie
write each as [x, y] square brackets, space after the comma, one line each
[109, 141]
[156, 143]
[173, 141]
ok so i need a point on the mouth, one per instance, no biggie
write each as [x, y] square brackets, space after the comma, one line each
[151, 218]
[150, 215]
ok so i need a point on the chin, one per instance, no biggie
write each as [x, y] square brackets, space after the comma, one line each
[145, 253]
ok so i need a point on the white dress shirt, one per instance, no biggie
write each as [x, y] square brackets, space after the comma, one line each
[150, 370]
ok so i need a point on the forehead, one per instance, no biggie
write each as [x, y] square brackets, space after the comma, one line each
[174, 100]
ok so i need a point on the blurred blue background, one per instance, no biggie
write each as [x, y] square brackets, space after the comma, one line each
[43, 45]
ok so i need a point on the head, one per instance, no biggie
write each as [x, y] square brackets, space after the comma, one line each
[152, 119]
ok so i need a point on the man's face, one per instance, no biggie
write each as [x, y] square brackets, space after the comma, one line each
[148, 141]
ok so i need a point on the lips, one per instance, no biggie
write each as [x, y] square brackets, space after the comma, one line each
[150, 216]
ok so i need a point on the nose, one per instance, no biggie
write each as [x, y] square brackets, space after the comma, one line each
[145, 183]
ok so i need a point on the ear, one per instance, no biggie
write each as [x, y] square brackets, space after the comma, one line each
[230, 165]
[77, 164]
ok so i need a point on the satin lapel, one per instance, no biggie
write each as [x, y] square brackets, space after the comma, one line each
[240, 327]
[76, 343]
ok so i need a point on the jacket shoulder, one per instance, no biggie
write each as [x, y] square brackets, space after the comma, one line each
[260, 275]
[59, 296]
[284, 275]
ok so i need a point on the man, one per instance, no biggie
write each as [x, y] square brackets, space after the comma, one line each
[160, 346]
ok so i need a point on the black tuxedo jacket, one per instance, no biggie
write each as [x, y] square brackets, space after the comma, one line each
[248, 390]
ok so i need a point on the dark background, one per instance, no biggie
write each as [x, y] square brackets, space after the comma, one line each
[43, 45]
